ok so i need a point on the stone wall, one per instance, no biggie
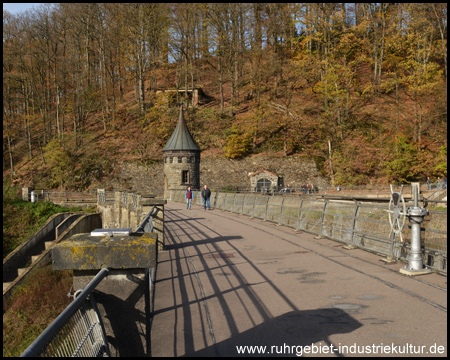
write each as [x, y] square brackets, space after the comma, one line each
[175, 162]
[295, 170]
[220, 172]
[263, 174]
[129, 209]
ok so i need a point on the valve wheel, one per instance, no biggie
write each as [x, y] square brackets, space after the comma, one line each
[397, 215]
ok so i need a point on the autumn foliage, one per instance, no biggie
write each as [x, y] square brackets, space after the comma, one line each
[361, 87]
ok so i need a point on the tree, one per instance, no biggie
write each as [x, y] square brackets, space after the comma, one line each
[421, 76]
[295, 78]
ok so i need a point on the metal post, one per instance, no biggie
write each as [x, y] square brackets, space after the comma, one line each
[352, 244]
[323, 218]
[416, 216]
[299, 219]
[254, 205]
[267, 207]
[280, 220]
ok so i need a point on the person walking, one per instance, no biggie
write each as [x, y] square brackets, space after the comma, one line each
[206, 194]
[429, 183]
[189, 196]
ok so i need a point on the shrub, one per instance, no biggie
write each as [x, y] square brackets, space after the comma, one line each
[238, 144]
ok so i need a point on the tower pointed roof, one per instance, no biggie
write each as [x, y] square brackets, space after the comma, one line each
[181, 138]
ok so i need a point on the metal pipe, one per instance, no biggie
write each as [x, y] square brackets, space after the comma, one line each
[416, 216]
[54, 327]
[416, 196]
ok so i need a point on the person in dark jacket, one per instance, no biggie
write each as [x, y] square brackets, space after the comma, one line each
[188, 196]
[206, 194]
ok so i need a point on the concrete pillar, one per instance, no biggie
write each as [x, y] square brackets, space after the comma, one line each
[101, 196]
[117, 208]
[123, 297]
[131, 206]
[26, 193]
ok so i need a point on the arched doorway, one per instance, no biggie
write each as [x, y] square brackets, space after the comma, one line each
[263, 185]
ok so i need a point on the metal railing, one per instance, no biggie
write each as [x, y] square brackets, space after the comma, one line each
[63, 196]
[147, 223]
[77, 332]
[438, 195]
[359, 223]
[105, 196]
[374, 191]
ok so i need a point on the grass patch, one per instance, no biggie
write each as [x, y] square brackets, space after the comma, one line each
[440, 208]
[22, 218]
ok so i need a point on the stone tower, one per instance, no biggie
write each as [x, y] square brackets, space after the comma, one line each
[181, 159]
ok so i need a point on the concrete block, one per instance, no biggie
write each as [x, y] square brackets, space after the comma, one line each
[123, 300]
[406, 271]
[85, 252]
[26, 193]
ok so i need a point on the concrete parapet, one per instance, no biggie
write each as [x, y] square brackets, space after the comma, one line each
[65, 224]
[123, 300]
[274, 208]
[123, 297]
[129, 210]
[85, 252]
[249, 203]
[238, 203]
[26, 193]
[356, 221]
[220, 200]
[108, 215]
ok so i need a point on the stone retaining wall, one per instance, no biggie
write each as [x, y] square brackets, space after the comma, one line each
[220, 172]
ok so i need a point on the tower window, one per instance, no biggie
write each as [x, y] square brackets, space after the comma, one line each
[185, 177]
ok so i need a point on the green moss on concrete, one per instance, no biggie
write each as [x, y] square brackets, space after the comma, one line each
[85, 252]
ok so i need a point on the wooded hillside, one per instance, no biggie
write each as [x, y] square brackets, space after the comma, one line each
[360, 87]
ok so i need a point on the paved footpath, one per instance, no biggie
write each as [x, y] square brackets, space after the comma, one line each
[227, 282]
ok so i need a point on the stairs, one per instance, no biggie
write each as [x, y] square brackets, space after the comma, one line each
[36, 251]
[24, 264]
[6, 286]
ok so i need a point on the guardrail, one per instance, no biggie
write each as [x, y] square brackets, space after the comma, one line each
[63, 196]
[77, 331]
[374, 191]
[363, 224]
[147, 223]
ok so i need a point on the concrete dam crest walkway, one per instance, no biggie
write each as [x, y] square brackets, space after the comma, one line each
[227, 282]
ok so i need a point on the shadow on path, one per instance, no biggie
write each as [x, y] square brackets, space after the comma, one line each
[230, 292]
[286, 335]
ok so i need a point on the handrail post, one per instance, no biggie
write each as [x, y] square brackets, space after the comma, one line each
[281, 212]
[323, 217]
[299, 219]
